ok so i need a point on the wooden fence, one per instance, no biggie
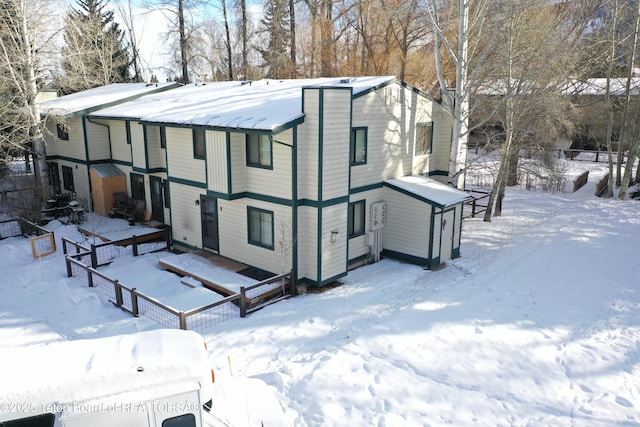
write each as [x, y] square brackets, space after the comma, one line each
[477, 204]
[198, 319]
[20, 227]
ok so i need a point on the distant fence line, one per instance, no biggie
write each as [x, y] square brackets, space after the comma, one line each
[129, 299]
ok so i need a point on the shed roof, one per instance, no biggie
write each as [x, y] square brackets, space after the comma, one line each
[100, 97]
[264, 105]
[106, 169]
[428, 190]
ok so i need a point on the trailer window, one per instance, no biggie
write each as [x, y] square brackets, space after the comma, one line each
[44, 420]
[186, 420]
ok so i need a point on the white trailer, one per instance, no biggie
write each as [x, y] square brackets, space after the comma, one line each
[158, 379]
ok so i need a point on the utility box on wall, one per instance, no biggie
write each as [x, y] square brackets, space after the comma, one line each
[106, 179]
[378, 215]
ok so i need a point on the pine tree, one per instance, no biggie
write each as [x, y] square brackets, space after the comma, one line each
[94, 53]
[276, 23]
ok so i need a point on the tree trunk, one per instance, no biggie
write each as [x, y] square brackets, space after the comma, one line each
[245, 41]
[184, 60]
[292, 28]
[227, 43]
[512, 166]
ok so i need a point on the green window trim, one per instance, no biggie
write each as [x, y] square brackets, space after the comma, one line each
[359, 144]
[63, 134]
[163, 137]
[356, 219]
[424, 138]
[260, 230]
[199, 149]
[127, 131]
[137, 186]
[67, 178]
[259, 149]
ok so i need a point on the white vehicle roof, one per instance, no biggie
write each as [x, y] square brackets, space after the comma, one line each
[114, 370]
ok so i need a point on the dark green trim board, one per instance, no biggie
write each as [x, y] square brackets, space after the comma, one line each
[412, 259]
[122, 163]
[145, 141]
[86, 152]
[232, 129]
[432, 219]
[187, 182]
[184, 245]
[320, 166]
[294, 205]
[325, 203]
[229, 173]
[438, 173]
[80, 161]
[364, 188]
[413, 195]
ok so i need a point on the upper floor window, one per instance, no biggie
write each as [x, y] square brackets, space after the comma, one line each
[424, 137]
[359, 146]
[127, 130]
[259, 151]
[198, 144]
[163, 137]
[63, 133]
[67, 179]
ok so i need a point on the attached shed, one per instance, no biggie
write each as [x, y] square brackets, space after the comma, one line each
[106, 180]
[423, 220]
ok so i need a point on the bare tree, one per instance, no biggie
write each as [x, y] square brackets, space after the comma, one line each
[128, 19]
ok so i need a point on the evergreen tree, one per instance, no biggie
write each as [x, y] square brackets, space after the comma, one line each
[276, 23]
[94, 53]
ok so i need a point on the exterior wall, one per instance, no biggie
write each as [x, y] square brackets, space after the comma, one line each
[234, 238]
[138, 150]
[98, 141]
[186, 223]
[407, 229]
[441, 147]
[80, 180]
[336, 136]
[120, 150]
[334, 254]
[359, 246]
[217, 170]
[275, 182]
[308, 243]
[181, 164]
[74, 148]
[308, 151]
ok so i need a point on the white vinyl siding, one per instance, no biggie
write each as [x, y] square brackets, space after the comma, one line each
[357, 245]
[137, 145]
[120, 150]
[74, 147]
[336, 143]
[185, 214]
[308, 242]
[80, 180]
[442, 132]
[217, 161]
[180, 161]
[98, 140]
[407, 225]
[275, 182]
[334, 254]
[234, 239]
[308, 160]
[238, 163]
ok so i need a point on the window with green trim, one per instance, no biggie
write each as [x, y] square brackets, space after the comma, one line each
[127, 131]
[424, 137]
[137, 186]
[260, 224]
[259, 151]
[67, 179]
[163, 137]
[359, 146]
[356, 218]
[198, 143]
[63, 133]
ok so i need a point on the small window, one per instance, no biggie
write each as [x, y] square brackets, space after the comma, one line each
[44, 420]
[358, 146]
[259, 151]
[260, 227]
[163, 137]
[67, 178]
[356, 218]
[63, 134]
[137, 186]
[127, 130]
[424, 136]
[186, 420]
[198, 144]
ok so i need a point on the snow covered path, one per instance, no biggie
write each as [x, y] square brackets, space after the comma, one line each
[537, 324]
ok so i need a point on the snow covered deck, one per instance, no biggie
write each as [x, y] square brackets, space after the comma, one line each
[110, 229]
[212, 275]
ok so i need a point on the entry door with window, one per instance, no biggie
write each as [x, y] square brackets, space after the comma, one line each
[209, 209]
[157, 200]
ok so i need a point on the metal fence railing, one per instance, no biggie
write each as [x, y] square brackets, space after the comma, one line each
[15, 227]
[197, 319]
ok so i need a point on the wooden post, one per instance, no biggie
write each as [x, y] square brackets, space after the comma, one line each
[118, 293]
[69, 271]
[183, 321]
[134, 302]
[94, 256]
[135, 245]
[167, 231]
[473, 208]
[90, 277]
[243, 302]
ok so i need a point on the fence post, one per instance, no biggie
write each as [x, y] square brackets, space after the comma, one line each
[135, 245]
[69, 271]
[90, 277]
[183, 321]
[94, 256]
[473, 208]
[293, 285]
[118, 293]
[167, 231]
[597, 155]
[134, 302]
[243, 302]
[64, 246]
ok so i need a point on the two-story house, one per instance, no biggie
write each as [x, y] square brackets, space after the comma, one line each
[316, 175]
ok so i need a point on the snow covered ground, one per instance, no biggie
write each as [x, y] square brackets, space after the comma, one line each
[537, 324]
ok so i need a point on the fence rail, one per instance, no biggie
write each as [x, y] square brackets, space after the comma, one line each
[21, 227]
[198, 319]
[476, 204]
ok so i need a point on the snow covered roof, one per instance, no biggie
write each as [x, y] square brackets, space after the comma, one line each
[428, 190]
[261, 105]
[136, 365]
[572, 87]
[99, 97]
